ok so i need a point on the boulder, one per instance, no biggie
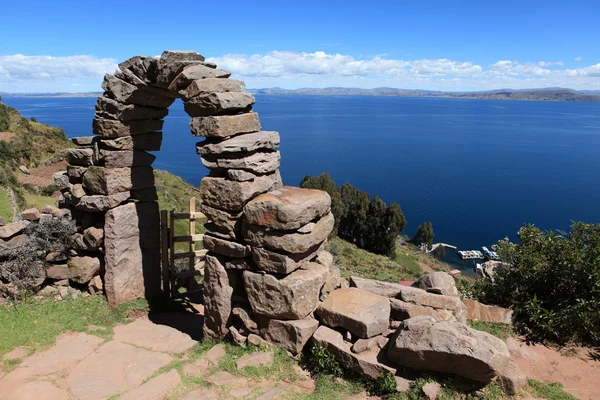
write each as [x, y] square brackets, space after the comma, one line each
[369, 363]
[195, 72]
[291, 335]
[100, 203]
[58, 272]
[226, 247]
[511, 379]
[110, 128]
[93, 237]
[232, 196]
[82, 157]
[83, 269]
[278, 263]
[132, 260]
[482, 312]
[31, 214]
[240, 175]
[287, 208]
[229, 221]
[402, 310]
[126, 158]
[86, 140]
[289, 241]
[146, 141]
[107, 181]
[291, 297]
[386, 289]
[260, 162]
[112, 109]
[219, 103]
[425, 343]
[362, 313]
[9, 230]
[75, 173]
[127, 93]
[225, 125]
[24, 169]
[245, 142]
[438, 282]
[61, 179]
[211, 85]
[218, 293]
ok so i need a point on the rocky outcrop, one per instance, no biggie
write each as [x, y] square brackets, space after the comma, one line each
[438, 282]
[481, 312]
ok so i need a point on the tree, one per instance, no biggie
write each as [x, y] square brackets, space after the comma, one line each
[353, 222]
[324, 182]
[424, 235]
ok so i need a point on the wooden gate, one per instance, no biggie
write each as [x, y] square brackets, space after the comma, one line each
[177, 275]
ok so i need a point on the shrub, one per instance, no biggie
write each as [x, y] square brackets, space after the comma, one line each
[552, 282]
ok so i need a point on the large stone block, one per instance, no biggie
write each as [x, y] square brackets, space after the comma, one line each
[229, 195]
[291, 297]
[289, 241]
[362, 313]
[291, 335]
[219, 104]
[225, 247]
[126, 158]
[194, 72]
[218, 295]
[425, 343]
[107, 181]
[110, 129]
[260, 162]
[212, 85]
[127, 93]
[287, 208]
[246, 142]
[112, 109]
[438, 282]
[225, 125]
[100, 203]
[386, 289]
[225, 220]
[132, 252]
[142, 67]
[81, 157]
[146, 141]
[83, 269]
[279, 263]
[402, 310]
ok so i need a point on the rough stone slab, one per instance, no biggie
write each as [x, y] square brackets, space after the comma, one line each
[93, 237]
[83, 269]
[225, 125]
[244, 317]
[437, 301]
[156, 388]
[223, 378]
[218, 294]
[110, 129]
[438, 282]
[261, 162]
[127, 93]
[194, 72]
[217, 231]
[374, 343]
[226, 247]
[425, 343]
[201, 393]
[369, 363]
[84, 140]
[147, 142]
[112, 109]
[402, 310]
[223, 219]
[240, 175]
[362, 313]
[287, 208]
[211, 85]
[82, 157]
[57, 272]
[215, 354]
[511, 379]
[245, 142]
[200, 367]
[115, 368]
[232, 196]
[100, 203]
[10, 230]
[258, 359]
[485, 313]
[431, 390]
[219, 103]
[60, 179]
[240, 264]
[386, 289]
[291, 297]
[142, 67]
[271, 261]
[132, 261]
[126, 158]
[286, 241]
[172, 56]
[291, 335]
[107, 181]
[31, 214]
[143, 333]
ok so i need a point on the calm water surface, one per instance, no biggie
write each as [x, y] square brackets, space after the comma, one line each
[477, 169]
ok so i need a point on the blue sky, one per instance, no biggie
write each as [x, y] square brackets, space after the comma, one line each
[446, 45]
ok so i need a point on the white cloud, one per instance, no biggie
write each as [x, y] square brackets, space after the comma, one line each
[578, 58]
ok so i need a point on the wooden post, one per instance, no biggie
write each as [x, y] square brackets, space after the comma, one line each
[172, 250]
[165, 239]
[192, 232]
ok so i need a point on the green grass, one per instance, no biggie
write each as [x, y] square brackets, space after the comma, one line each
[502, 331]
[5, 206]
[359, 262]
[38, 201]
[36, 324]
[549, 391]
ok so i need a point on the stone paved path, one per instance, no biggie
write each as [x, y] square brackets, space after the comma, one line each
[81, 366]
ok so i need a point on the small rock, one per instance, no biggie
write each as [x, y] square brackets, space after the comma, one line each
[31, 214]
[63, 291]
[93, 237]
[256, 340]
[95, 285]
[56, 257]
[51, 210]
[57, 272]
[83, 269]
[255, 359]
[402, 384]
[431, 390]
[48, 291]
[24, 169]
[61, 179]
[238, 338]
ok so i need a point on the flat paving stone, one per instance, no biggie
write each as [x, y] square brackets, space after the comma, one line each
[225, 378]
[238, 393]
[40, 390]
[156, 388]
[115, 368]
[215, 354]
[143, 333]
[19, 352]
[262, 358]
[200, 367]
[269, 394]
[200, 393]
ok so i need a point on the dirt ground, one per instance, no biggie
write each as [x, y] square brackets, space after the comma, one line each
[42, 176]
[578, 369]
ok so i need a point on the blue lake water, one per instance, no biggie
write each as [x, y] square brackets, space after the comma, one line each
[477, 169]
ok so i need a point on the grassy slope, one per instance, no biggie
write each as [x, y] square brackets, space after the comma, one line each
[5, 206]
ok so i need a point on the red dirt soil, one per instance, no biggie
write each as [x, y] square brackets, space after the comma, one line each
[42, 176]
[6, 136]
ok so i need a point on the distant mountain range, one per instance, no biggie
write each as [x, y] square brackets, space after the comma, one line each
[546, 94]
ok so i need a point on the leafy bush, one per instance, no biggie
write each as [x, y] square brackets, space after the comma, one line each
[552, 282]
[424, 235]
